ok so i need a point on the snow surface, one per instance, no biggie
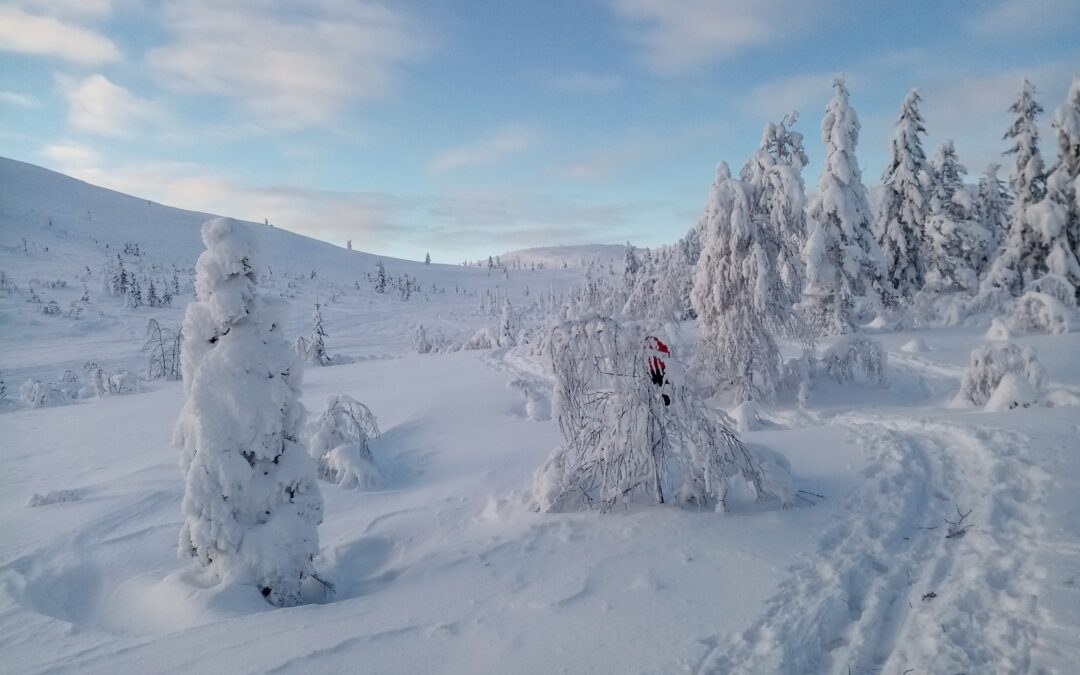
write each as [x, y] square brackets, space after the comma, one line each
[439, 568]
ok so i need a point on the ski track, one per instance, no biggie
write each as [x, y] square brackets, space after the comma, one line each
[856, 606]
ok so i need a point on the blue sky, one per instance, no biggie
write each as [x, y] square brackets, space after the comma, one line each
[469, 127]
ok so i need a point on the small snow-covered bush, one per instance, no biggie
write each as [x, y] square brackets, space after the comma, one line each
[626, 437]
[484, 338]
[338, 440]
[1055, 286]
[851, 352]
[162, 349]
[421, 344]
[54, 497]
[988, 364]
[43, 394]
[998, 330]
[1037, 312]
[1014, 391]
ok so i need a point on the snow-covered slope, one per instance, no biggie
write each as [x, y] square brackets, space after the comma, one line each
[442, 568]
[555, 257]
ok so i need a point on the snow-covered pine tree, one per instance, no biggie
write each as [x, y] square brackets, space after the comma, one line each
[738, 295]
[1028, 182]
[992, 205]
[380, 278]
[507, 337]
[316, 344]
[251, 501]
[631, 267]
[120, 278]
[955, 244]
[904, 205]
[151, 295]
[843, 260]
[134, 294]
[778, 201]
[427, 258]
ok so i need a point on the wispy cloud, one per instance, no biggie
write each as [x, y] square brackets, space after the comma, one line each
[21, 100]
[502, 144]
[1029, 18]
[97, 105]
[48, 35]
[679, 36]
[636, 149]
[292, 64]
[70, 157]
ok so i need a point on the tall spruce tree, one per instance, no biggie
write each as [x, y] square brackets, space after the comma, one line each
[904, 204]
[737, 295]
[1028, 182]
[843, 260]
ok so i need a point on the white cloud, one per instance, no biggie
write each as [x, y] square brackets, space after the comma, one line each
[69, 156]
[97, 105]
[636, 149]
[21, 100]
[678, 36]
[49, 36]
[292, 64]
[504, 143]
[1016, 18]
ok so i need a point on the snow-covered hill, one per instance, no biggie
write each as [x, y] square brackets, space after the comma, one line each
[556, 257]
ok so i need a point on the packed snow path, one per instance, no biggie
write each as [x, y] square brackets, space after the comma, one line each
[896, 588]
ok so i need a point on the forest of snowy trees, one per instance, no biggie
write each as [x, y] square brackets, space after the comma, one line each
[767, 269]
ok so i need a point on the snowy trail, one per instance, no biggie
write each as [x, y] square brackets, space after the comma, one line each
[862, 603]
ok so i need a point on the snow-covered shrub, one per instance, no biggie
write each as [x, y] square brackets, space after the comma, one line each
[850, 353]
[251, 500]
[43, 394]
[625, 436]
[1039, 313]
[338, 441]
[537, 405]
[51, 308]
[313, 348]
[421, 344]
[1055, 286]
[481, 339]
[53, 497]
[989, 363]
[1014, 391]
[162, 349]
[998, 330]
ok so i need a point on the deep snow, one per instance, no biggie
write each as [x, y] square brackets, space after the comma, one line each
[441, 569]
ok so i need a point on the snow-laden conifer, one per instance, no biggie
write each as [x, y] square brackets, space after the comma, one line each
[955, 243]
[843, 260]
[778, 202]
[1027, 178]
[737, 295]
[992, 205]
[313, 348]
[904, 205]
[251, 501]
[1060, 227]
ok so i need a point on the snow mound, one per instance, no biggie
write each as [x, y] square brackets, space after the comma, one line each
[998, 331]
[1039, 313]
[1012, 392]
[915, 346]
[987, 367]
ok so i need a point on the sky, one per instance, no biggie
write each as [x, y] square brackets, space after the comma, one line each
[466, 128]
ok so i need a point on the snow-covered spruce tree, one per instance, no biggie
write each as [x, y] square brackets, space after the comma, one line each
[421, 344]
[671, 290]
[904, 205]
[380, 278]
[778, 202]
[251, 501]
[622, 440]
[955, 244]
[338, 441]
[1059, 220]
[641, 297]
[1028, 182]
[313, 349]
[631, 268]
[507, 324]
[844, 265]
[737, 295]
[992, 206]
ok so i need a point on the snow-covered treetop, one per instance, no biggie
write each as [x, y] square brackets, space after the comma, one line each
[226, 273]
[840, 189]
[948, 175]
[1066, 125]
